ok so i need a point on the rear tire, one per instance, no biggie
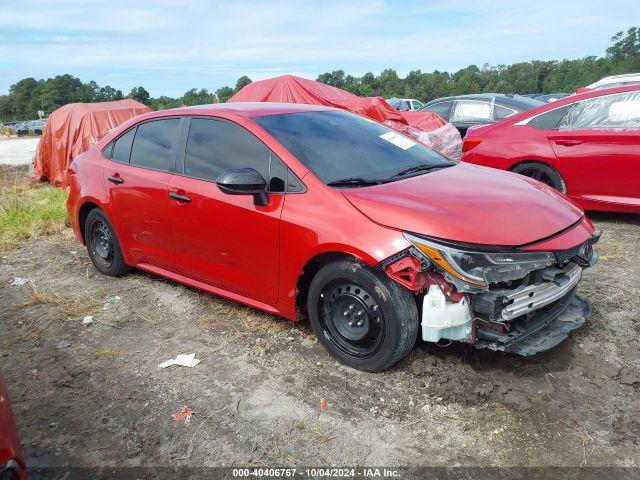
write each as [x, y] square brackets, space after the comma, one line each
[103, 245]
[543, 173]
[362, 317]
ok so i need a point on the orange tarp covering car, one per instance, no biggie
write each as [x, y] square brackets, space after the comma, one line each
[72, 129]
[426, 127]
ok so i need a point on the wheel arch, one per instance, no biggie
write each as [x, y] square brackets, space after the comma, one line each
[318, 260]
[543, 163]
[83, 213]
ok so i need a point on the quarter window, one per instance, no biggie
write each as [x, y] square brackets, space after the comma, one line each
[214, 146]
[154, 144]
[122, 146]
[500, 112]
[616, 111]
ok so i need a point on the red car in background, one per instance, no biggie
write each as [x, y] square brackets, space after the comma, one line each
[12, 466]
[587, 146]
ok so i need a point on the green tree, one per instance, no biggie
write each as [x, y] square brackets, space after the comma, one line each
[24, 99]
[108, 94]
[164, 103]
[224, 94]
[140, 94]
[242, 82]
[195, 97]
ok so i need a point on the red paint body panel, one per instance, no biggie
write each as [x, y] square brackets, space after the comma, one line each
[601, 168]
[226, 245]
[226, 240]
[469, 204]
[9, 444]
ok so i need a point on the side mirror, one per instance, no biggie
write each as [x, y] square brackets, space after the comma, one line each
[244, 181]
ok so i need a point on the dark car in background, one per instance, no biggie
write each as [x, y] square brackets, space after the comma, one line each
[30, 127]
[464, 111]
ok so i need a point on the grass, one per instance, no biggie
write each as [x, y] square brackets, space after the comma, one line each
[28, 209]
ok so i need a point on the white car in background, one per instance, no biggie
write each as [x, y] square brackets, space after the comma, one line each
[405, 104]
[613, 81]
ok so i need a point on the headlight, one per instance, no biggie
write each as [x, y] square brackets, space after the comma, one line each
[481, 268]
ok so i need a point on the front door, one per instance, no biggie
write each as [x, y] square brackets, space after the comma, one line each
[226, 240]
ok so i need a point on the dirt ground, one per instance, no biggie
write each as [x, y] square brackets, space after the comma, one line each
[94, 395]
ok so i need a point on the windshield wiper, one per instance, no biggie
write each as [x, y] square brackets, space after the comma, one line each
[418, 168]
[354, 182]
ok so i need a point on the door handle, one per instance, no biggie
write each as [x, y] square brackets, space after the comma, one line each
[177, 196]
[115, 179]
[568, 142]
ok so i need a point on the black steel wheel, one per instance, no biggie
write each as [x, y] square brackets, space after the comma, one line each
[100, 242]
[361, 316]
[102, 245]
[543, 173]
[353, 317]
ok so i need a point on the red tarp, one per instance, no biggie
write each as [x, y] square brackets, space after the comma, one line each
[426, 127]
[72, 129]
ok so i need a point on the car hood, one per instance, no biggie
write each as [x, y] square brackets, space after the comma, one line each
[468, 203]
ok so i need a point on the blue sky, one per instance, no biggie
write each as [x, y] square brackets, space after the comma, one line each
[172, 46]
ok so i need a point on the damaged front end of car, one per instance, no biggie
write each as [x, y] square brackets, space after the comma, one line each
[497, 298]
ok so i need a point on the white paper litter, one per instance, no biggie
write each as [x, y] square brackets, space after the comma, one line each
[398, 140]
[184, 360]
[88, 320]
[18, 281]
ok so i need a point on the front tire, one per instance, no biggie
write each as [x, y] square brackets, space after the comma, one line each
[543, 173]
[362, 317]
[103, 245]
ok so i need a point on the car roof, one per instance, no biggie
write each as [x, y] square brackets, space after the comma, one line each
[622, 76]
[250, 109]
[516, 101]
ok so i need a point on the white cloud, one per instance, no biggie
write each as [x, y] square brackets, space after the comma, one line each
[173, 44]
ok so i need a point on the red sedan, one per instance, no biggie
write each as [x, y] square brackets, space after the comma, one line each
[12, 466]
[587, 146]
[309, 211]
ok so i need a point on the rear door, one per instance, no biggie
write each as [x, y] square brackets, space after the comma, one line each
[137, 177]
[598, 142]
[226, 240]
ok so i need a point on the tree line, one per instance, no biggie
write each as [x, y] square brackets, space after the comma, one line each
[29, 95]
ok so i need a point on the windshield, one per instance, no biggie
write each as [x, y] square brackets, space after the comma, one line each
[338, 145]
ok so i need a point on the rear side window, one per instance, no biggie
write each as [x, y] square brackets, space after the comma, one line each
[214, 146]
[154, 144]
[616, 111]
[121, 147]
[443, 109]
[549, 120]
[471, 111]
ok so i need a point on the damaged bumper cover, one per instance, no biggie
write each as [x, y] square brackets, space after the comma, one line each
[550, 327]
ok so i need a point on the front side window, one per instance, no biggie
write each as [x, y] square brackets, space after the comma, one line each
[214, 146]
[154, 143]
[471, 111]
[337, 145]
[616, 111]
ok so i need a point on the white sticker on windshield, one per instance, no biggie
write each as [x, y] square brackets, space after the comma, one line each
[398, 140]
